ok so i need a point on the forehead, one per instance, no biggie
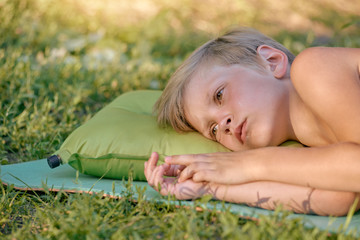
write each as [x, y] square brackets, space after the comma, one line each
[200, 82]
[208, 75]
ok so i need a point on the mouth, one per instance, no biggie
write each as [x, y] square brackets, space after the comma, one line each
[240, 132]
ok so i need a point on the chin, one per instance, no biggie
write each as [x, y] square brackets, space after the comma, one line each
[260, 140]
[260, 144]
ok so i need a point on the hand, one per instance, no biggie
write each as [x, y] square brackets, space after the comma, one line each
[166, 185]
[222, 168]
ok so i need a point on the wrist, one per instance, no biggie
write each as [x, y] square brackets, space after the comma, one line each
[213, 190]
[221, 191]
[205, 188]
[253, 165]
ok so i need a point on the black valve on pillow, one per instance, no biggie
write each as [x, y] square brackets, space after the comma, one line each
[54, 161]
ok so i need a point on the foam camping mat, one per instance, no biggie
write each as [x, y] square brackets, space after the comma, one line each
[37, 176]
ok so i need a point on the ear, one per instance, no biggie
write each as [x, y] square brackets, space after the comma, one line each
[275, 60]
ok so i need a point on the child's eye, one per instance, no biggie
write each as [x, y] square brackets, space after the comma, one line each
[219, 95]
[214, 130]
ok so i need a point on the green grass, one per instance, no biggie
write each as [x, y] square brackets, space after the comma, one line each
[84, 216]
[62, 61]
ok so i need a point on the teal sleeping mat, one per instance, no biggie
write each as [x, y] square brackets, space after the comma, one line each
[36, 175]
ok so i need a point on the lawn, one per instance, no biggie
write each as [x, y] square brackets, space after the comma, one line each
[62, 61]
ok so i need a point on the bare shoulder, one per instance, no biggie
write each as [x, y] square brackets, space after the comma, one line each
[320, 61]
[327, 81]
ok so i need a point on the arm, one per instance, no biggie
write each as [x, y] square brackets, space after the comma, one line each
[269, 195]
[334, 167]
[262, 194]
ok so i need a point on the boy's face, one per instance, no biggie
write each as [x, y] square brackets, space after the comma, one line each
[237, 106]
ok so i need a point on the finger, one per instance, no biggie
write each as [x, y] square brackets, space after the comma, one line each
[167, 169]
[153, 178]
[178, 169]
[180, 159]
[204, 176]
[166, 186]
[187, 173]
[145, 170]
[197, 168]
[173, 170]
[159, 177]
[153, 159]
[149, 178]
[151, 164]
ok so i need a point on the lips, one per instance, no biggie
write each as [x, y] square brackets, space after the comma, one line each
[240, 132]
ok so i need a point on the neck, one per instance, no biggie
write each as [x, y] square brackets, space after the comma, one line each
[289, 99]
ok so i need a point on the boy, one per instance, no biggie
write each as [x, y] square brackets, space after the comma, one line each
[239, 90]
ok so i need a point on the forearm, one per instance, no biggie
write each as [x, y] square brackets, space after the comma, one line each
[334, 167]
[269, 195]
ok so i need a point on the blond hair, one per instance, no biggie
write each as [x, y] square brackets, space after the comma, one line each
[238, 46]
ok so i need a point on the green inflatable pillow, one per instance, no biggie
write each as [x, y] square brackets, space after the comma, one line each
[122, 136]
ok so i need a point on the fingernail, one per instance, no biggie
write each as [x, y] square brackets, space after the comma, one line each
[167, 158]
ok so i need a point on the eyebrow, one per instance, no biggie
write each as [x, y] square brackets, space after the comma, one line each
[209, 101]
[209, 97]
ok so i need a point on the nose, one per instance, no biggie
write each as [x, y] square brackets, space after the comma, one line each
[225, 125]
